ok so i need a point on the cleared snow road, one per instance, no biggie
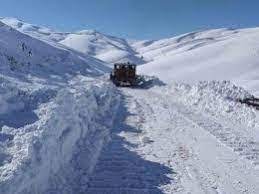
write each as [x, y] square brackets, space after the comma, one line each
[162, 146]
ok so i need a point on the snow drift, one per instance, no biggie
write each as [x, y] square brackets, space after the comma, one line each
[219, 99]
[56, 153]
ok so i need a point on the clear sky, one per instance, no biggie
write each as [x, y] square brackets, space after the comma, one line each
[136, 19]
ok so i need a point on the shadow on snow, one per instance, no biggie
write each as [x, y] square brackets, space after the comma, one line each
[120, 170]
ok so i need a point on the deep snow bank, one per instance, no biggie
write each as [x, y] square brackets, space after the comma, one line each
[217, 98]
[57, 151]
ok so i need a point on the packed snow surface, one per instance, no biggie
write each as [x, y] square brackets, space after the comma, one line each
[192, 146]
[66, 129]
[181, 139]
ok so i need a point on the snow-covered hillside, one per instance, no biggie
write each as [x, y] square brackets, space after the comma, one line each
[46, 89]
[104, 47]
[107, 48]
[64, 128]
[223, 54]
[22, 54]
[33, 30]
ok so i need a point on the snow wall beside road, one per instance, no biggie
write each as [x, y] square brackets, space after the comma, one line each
[56, 153]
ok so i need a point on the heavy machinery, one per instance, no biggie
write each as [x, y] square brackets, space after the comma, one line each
[124, 74]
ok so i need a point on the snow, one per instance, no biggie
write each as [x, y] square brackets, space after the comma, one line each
[218, 54]
[24, 55]
[91, 42]
[198, 152]
[53, 110]
[107, 48]
[58, 146]
[66, 129]
[218, 98]
[33, 30]
[223, 54]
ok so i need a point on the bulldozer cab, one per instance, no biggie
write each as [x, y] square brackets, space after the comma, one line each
[124, 74]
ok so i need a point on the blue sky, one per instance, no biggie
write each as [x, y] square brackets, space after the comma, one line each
[137, 19]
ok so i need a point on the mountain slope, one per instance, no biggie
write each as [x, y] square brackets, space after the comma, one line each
[222, 54]
[104, 47]
[107, 48]
[34, 30]
[49, 101]
[22, 54]
[153, 50]
[65, 130]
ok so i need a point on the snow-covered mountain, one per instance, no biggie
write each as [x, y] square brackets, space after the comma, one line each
[22, 54]
[34, 30]
[104, 47]
[107, 48]
[220, 54]
[66, 129]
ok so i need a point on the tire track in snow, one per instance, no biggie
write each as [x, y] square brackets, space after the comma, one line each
[158, 114]
[228, 137]
[206, 170]
[245, 146]
[120, 168]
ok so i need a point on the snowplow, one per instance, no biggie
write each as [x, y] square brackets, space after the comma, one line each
[124, 74]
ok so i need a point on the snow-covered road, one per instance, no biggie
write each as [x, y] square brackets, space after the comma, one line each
[183, 135]
[162, 146]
